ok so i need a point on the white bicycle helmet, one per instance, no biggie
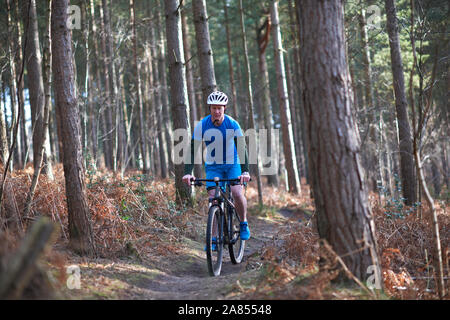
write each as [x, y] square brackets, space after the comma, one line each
[217, 97]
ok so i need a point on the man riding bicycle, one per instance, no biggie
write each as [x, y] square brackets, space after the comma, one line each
[223, 137]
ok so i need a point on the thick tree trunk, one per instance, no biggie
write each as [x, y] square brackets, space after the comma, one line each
[340, 192]
[178, 86]
[285, 113]
[204, 51]
[407, 166]
[80, 229]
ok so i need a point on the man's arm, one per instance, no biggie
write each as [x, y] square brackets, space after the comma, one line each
[240, 141]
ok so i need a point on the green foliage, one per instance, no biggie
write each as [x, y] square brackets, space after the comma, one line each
[395, 207]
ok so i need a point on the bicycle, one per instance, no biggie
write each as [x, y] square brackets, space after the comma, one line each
[223, 221]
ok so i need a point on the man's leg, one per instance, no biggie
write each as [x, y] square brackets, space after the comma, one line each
[240, 201]
[211, 173]
[241, 207]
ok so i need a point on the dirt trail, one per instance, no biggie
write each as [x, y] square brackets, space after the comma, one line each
[184, 275]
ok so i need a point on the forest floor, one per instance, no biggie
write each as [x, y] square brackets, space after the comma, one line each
[150, 248]
[181, 275]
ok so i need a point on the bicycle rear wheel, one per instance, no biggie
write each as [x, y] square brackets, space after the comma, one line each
[214, 228]
[236, 245]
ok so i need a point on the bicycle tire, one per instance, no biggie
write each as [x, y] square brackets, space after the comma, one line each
[236, 245]
[214, 258]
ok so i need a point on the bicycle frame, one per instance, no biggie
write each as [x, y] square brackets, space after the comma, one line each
[225, 229]
[219, 198]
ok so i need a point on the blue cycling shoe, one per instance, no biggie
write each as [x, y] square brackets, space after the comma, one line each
[213, 245]
[245, 231]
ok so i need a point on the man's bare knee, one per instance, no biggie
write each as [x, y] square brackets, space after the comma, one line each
[237, 191]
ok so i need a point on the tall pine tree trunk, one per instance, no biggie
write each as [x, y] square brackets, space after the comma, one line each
[230, 63]
[20, 87]
[47, 104]
[158, 105]
[166, 124]
[139, 97]
[248, 88]
[96, 117]
[285, 113]
[300, 112]
[80, 229]
[33, 61]
[12, 90]
[193, 116]
[340, 193]
[107, 114]
[204, 51]
[407, 166]
[178, 86]
[371, 155]
[111, 70]
[262, 37]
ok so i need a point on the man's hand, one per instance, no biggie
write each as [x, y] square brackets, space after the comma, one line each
[244, 177]
[187, 178]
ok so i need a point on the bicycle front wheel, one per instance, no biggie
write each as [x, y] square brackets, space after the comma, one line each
[236, 245]
[214, 229]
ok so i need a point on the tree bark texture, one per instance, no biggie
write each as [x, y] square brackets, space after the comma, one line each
[204, 51]
[12, 89]
[33, 61]
[248, 88]
[158, 105]
[407, 166]
[262, 37]
[80, 229]
[193, 116]
[139, 98]
[178, 85]
[166, 124]
[285, 113]
[47, 104]
[340, 193]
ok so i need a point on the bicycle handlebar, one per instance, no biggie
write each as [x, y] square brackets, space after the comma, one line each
[198, 182]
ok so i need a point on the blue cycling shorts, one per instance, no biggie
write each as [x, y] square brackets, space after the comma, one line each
[223, 171]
